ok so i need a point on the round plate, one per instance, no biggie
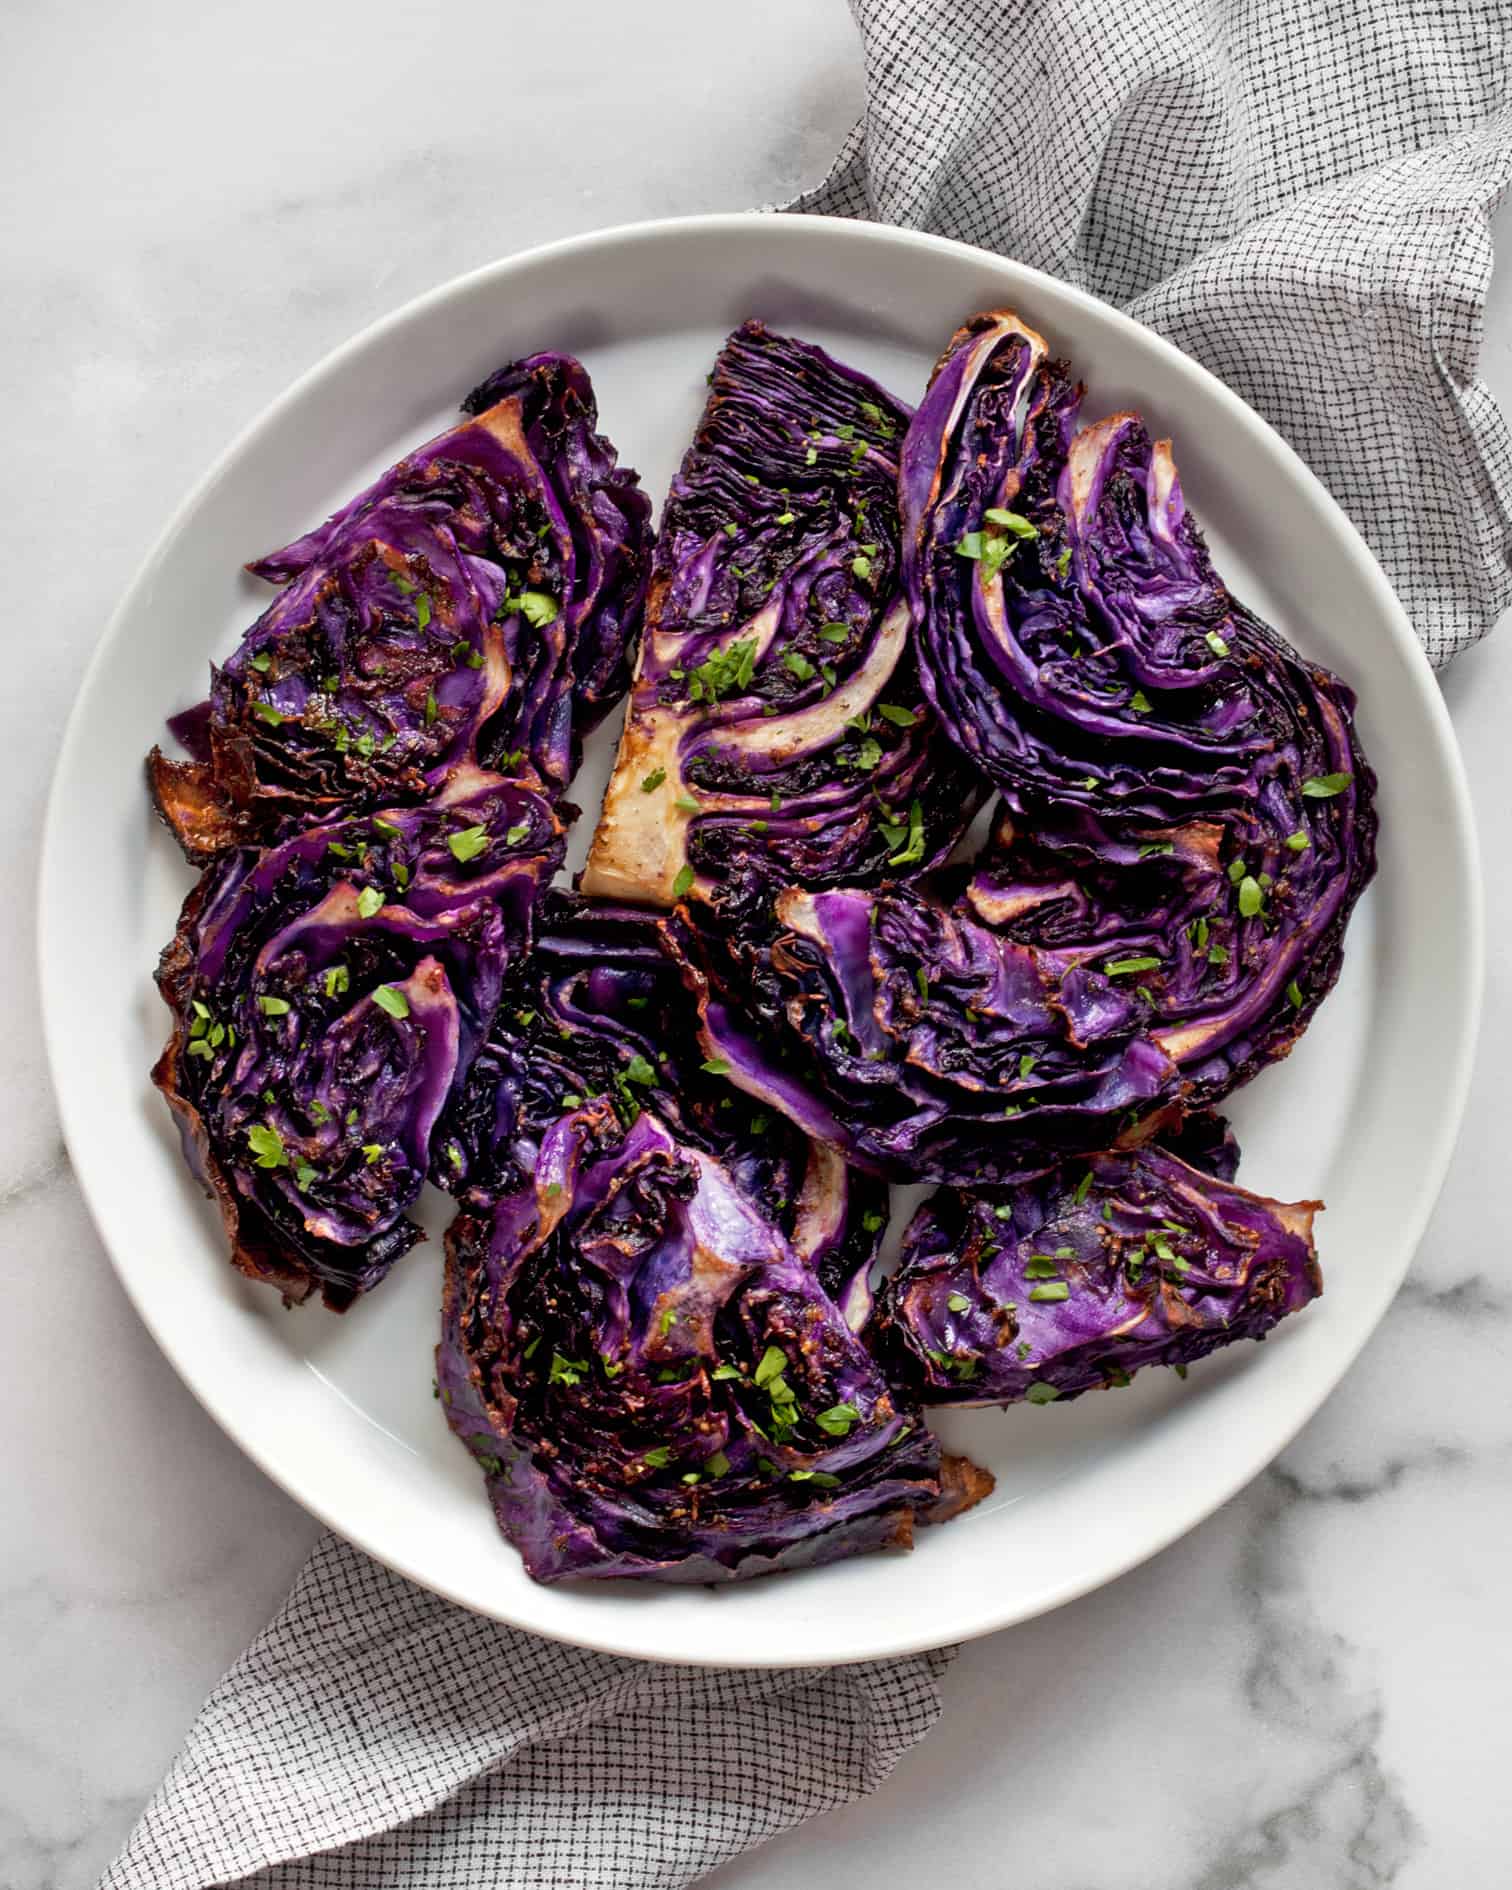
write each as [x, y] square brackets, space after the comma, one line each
[339, 1410]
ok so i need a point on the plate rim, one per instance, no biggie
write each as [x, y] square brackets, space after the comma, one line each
[1433, 1155]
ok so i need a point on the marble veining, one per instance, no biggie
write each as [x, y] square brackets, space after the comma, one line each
[1306, 1693]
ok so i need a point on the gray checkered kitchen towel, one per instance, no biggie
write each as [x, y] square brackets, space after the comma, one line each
[1297, 192]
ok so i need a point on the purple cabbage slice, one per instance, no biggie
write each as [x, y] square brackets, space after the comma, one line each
[1085, 1277]
[924, 1044]
[654, 1382]
[599, 1008]
[477, 604]
[1187, 819]
[329, 995]
[777, 730]
[1187, 804]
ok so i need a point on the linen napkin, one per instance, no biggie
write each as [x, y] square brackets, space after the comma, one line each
[1297, 194]
[374, 1734]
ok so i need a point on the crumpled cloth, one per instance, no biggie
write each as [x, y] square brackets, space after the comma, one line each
[1297, 194]
[376, 1735]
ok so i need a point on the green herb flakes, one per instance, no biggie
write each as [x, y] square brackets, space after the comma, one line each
[469, 843]
[1323, 787]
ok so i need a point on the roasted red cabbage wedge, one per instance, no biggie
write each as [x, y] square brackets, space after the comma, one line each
[599, 1009]
[777, 731]
[1188, 819]
[924, 1044]
[478, 603]
[1189, 810]
[1085, 1277]
[329, 995]
[655, 1383]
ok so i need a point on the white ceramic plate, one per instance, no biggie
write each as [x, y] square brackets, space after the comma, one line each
[340, 1411]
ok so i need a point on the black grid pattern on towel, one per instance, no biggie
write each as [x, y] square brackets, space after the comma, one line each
[375, 1734]
[1297, 194]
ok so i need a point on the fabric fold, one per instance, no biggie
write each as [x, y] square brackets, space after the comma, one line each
[1298, 197]
[374, 1733]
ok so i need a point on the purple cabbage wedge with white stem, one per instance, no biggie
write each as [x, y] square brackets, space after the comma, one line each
[476, 604]
[777, 732]
[1187, 805]
[329, 995]
[1086, 1276]
[926, 1045]
[599, 1009]
[656, 1385]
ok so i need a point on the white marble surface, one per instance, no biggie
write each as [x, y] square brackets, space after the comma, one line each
[200, 199]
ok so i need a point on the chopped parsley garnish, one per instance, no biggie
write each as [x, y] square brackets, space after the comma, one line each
[651, 782]
[717, 1465]
[911, 853]
[1083, 1188]
[468, 844]
[900, 718]
[1139, 702]
[685, 804]
[1216, 643]
[566, 1371]
[537, 608]
[723, 671]
[1323, 787]
[1298, 841]
[683, 882]
[1125, 967]
[388, 998]
[337, 980]
[838, 1419]
[266, 1145]
[1294, 995]
[773, 1364]
[369, 901]
[659, 1458]
[990, 550]
[835, 632]
[1251, 898]
[273, 1006]
[638, 1070]
[1015, 522]
[715, 1066]
[514, 835]
[1041, 1393]
[958, 1302]
[268, 713]
[798, 664]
